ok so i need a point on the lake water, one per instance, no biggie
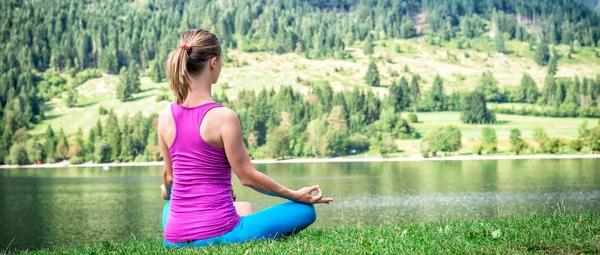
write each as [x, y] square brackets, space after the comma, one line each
[73, 206]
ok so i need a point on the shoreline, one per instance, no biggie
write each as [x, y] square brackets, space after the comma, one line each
[415, 158]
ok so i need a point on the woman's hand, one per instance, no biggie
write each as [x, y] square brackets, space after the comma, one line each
[165, 195]
[304, 195]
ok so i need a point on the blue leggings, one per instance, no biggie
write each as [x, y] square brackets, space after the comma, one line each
[283, 219]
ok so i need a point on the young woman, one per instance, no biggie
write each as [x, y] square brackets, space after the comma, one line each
[201, 142]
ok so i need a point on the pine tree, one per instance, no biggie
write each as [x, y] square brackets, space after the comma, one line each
[552, 65]
[559, 95]
[528, 91]
[123, 87]
[62, 147]
[437, 94]
[372, 75]
[133, 77]
[90, 144]
[404, 99]
[99, 131]
[407, 30]
[499, 42]
[72, 97]
[542, 53]
[113, 136]
[571, 48]
[415, 91]
[549, 90]
[158, 73]
[50, 145]
[475, 109]
[5, 144]
[489, 86]
[395, 97]
[80, 142]
[368, 48]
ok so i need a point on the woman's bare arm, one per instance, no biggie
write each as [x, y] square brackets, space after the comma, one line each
[239, 160]
[168, 167]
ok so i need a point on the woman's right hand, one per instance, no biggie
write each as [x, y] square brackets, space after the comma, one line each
[304, 195]
[165, 194]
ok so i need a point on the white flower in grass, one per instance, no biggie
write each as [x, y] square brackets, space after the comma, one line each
[496, 233]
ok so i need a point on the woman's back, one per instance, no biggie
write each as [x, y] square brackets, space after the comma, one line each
[201, 201]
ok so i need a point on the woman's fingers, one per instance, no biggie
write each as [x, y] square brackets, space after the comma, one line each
[314, 188]
[325, 200]
[318, 196]
[309, 198]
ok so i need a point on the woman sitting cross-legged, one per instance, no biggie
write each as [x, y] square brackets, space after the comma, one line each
[201, 142]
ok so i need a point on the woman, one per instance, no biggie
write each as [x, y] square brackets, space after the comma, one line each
[201, 142]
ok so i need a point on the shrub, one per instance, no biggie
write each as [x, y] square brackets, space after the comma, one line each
[413, 118]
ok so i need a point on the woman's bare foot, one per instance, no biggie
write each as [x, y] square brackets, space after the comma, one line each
[243, 208]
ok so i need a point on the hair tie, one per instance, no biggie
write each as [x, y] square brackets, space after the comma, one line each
[186, 48]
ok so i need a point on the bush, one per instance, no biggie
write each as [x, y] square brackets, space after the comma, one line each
[102, 111]
[76, 160]
[576, 145]
[162, 97]
[413, 118]
[18, 155]
[85, 75]
[102, 152]
[358, 142]
[35, 152]
[443, 139]
[477, 148]
[384, 145]
[517, 143]
[142, 158]
[552, 145]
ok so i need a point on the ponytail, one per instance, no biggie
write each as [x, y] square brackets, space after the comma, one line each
[196, 48]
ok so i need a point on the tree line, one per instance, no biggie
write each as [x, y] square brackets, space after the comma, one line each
[130, 138]
[278, 124]
[559, 96]
[288, 123]
[44, 39]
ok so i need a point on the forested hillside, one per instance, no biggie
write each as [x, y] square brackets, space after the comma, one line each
[52, 47]
[592, 4]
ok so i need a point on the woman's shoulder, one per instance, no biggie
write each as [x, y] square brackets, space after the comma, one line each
[222, 113]
[165, 116]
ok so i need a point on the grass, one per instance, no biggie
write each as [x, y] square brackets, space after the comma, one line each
[565, 128]
[562, 127]
[97, 93]
[547, 234]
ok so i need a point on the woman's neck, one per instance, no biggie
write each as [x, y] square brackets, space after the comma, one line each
[200, 93]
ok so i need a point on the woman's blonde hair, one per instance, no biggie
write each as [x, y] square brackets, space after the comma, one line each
[196, 48]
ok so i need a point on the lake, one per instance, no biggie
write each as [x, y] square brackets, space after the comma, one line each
[73, 206]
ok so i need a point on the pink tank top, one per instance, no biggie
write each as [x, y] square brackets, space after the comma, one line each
[201, 202]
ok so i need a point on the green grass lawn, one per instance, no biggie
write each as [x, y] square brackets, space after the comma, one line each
[547, 234]
[565, 128]
[97, 93]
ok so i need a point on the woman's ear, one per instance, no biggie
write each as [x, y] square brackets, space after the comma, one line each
[213, 63]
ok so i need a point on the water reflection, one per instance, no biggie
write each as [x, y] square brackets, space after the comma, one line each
[42, 208]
